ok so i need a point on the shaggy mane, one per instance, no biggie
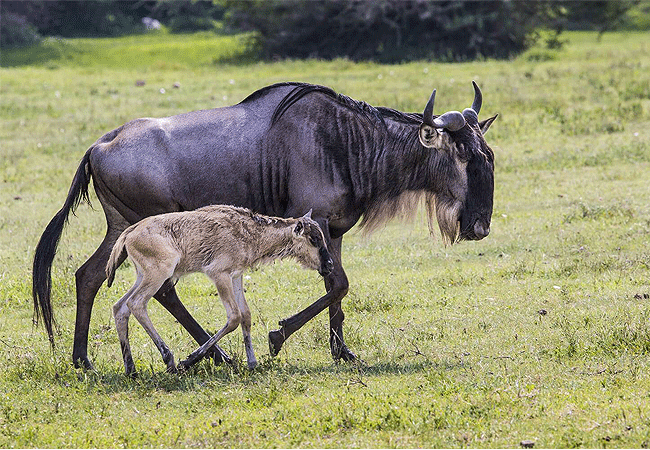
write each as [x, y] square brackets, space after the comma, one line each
[405, 206]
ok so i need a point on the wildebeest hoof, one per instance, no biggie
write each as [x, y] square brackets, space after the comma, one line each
[219, 356]
[187, 363]
[252, 365]
[182, 367]
[343, 353]
[83, 363]
[276, 339]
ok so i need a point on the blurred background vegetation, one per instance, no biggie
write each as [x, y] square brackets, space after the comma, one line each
[379, 30]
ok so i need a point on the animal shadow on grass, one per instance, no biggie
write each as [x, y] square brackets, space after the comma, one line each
[152, 378]
[108, 378]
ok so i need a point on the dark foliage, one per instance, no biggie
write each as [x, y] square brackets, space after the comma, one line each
[380, 30]
[184, 16]
[79, 18]
[16, 31]
[390, 31]
[601, 16]
[393, 31]
[68, 18]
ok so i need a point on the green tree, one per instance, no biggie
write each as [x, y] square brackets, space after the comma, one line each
[389, 31]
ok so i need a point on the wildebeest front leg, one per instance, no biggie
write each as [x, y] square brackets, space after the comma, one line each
[294, 323]
[336, 284]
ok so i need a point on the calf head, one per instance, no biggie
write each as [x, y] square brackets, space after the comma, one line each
[309, 246]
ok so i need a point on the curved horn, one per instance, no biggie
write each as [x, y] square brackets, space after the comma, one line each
[470, 116]
[428, 110]
[451, 120]
[478, 98]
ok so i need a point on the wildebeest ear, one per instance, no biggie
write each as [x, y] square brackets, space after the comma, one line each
[299, 228]
[484, 125]
[427, 135]
[308, 215]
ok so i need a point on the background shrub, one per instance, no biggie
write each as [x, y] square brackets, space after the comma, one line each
[15, 31]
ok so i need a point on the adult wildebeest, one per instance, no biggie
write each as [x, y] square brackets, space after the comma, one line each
[220, 241]
[284, 149]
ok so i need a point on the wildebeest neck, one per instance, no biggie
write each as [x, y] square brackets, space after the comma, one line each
[400, 171]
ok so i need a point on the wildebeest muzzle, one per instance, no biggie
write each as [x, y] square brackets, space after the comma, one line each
[475, 230]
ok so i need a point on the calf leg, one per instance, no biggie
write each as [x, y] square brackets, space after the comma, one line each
[238, 288]
[121, 315]
[224, 285]
[137, 304]
[167, 297]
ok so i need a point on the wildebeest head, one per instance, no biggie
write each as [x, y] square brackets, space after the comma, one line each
[309, 246]
[462, 172]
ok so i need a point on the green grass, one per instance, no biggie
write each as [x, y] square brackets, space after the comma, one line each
[538, 332]
[154, 51]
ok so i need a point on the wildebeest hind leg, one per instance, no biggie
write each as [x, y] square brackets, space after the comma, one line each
[168, 297]
[89, 277]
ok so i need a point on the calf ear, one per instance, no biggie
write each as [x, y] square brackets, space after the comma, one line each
[299, 229]
[484, 125]
[428, 135]
[308, 215]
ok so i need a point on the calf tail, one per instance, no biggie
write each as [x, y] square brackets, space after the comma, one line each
[117, 255]
[47, 245]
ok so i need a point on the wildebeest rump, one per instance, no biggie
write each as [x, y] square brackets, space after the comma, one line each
[285, 149]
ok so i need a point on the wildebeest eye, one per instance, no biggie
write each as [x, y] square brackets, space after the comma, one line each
[463, 153]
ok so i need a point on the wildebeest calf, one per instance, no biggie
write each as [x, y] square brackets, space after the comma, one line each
[220, 241]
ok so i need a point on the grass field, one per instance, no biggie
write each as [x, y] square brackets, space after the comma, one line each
[539, 332]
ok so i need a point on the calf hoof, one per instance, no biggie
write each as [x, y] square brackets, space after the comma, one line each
[276, 339]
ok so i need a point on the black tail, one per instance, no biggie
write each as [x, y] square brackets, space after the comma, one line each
[46, 248]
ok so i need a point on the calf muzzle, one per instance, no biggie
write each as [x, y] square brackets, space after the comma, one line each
[326, 264]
